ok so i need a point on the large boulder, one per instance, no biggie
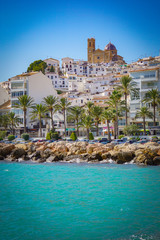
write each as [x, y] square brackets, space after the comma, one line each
[6, 149]
[95, 157]
[18, 153]
[20, 145]
[156, 160]
[124, 156]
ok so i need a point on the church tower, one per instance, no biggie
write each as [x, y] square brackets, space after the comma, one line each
[91, 49]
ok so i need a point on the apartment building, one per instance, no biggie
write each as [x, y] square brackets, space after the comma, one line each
[146, 79]
[35, 85]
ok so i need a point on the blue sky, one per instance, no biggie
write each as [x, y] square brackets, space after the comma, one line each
[32, 30]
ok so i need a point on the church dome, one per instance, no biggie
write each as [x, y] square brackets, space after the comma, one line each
[110, 46]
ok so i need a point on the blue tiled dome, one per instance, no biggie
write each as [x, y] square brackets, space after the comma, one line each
[110, 46]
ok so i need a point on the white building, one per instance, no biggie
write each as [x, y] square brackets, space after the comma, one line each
[146, 79]
[35, 85]
[52, 62]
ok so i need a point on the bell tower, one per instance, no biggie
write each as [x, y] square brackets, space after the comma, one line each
[91, 49]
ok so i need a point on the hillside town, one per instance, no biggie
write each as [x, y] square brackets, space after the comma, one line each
[83, 83]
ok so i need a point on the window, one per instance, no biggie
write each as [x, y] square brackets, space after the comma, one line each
[17, 94]
[16, 85]
[51, 77]
[98, 57]
[81, 101]
[135, 96]
[55, 82]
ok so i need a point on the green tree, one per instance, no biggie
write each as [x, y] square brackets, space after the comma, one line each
[132, 129]
[37, 66]
[51, 105]
[96, 113]
[39, 112]
[73, 136]
[143, 113]
[116, 105]
[52, 69]
[75, 114]
[153, 97]
[24, 102]
[13, 121]
[4, 121]
[87, 123]
[108, 115]
[63, 106]
[89, 106]
[127, 86]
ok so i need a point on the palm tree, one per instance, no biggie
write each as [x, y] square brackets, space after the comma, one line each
[39, 112]
[153, 97]
[4, 121]
[13, 121]
[89, 106]
[75, 113]
[50, 102]
[143, 113]
[24, 102]
[115, 104]
[108, 115]
[127, 86]
[96, 113]
[87, 123]
[63, 106]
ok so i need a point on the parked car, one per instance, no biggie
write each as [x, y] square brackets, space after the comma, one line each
[117, 141]
[143, 141]
[103, 140]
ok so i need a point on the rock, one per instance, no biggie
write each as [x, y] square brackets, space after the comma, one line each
[156, 160]
[24, 146]
[95, 157]
[18, 152]
[41, 160]
[6, 149]
[123, 157]
[1, 157]
[55, 158]
[26, 158]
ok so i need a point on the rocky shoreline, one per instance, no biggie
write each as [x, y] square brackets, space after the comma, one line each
[142, 154]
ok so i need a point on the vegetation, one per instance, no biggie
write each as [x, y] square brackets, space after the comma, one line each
[73, 136]
[52, 69]
[130, 130]
[24, 102]
[120, 136]
[11, 137]
[143, 113]
[63, 106]
[50, 103]
[153, 97]
[25, 136]
[2, 134]
[13, 121]
[37, 66]
[96, 113]
[108, 115]
[39, 112]
[87, 123]
[4, 121]
[91, 137]
[75, 114]
[126, 87]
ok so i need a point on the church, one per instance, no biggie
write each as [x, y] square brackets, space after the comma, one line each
[99, 56]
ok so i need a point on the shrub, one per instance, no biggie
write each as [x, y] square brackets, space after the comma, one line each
[25, 136]
[2, 134]
[11, 137]
[48, 136]
[54, 135]
[1, 139]
[91, 136]
[73, 136]
[120, 136]
[99, 139]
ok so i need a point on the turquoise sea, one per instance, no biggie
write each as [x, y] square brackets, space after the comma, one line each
[79, 201]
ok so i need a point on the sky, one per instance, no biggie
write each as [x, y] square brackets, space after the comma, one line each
[32, 30]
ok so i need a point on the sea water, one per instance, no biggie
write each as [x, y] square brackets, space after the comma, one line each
[79, 201]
